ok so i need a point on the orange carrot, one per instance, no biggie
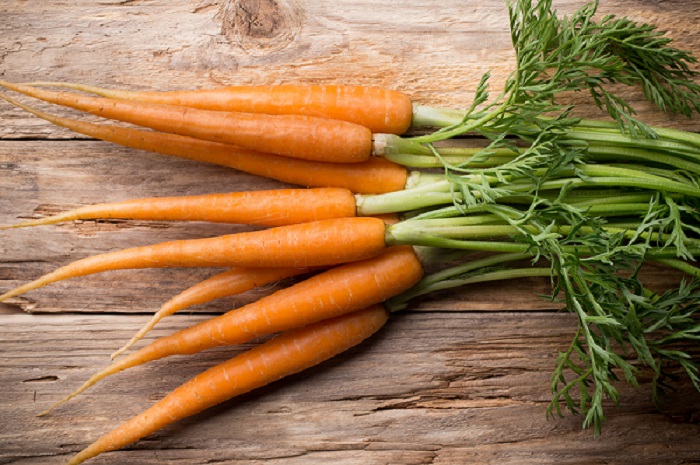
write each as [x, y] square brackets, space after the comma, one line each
[228, 283]
[264, 208]
[286, 354]
[380, 110]
[318, 243]
[374, 176]
[298, 136]
[337, 291]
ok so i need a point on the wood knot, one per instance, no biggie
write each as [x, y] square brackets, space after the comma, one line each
[261, 26]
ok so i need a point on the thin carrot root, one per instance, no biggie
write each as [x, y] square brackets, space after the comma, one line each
[297, 136]
[318, 243]
[380, 110]
[340, 290]
[284, 355]
[374, 176]
[263, 208]
[228, 283]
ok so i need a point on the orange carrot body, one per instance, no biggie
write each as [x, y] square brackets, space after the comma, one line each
[337, 291]
[381, 110]
[228, 283]
[297, 136]
[282, 356]
[374, 176]
[263, 208]
[318, 243]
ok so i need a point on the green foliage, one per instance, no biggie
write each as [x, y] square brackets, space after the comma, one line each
[594, 265]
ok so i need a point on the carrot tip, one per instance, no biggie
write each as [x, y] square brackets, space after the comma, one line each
[117, 353]
[25, 224]
[50, 409]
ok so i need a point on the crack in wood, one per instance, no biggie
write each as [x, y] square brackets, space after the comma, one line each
[42, 379]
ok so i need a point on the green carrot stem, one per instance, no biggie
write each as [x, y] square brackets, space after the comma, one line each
[501, 238]
[425, 116]
[651, 184]
[441, 192]
[609, 138]
[499, 275]
[606, 152]
[466, 157]
[438, 279]
[663, 133]
[442, 118]
[680, 265]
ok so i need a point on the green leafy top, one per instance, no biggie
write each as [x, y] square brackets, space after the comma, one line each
[593, 265]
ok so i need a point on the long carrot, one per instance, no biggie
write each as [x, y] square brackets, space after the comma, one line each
[263, 208]
[228, 283]
[318, 243]
[298, 136]
[286, 354]
[374, 176]
[337, 291]
[380, 110]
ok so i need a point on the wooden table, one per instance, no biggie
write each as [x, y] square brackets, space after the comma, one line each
[460, 378]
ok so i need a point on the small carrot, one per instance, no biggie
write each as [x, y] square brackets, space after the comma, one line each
[374, 176]
[380, 110]
[298, 136]
[228, 283]
[318, 243]
[337, 291]
[263, 208]
[286, 354]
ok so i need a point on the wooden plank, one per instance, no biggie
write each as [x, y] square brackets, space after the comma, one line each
[429, 388]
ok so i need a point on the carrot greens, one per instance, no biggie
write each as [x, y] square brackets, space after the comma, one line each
[542, 155]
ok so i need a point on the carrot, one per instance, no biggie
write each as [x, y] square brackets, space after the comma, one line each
[298, 136]
[374, 176]
[284, 355]
[380, 110]
[340, 290]
[225, 284]
[228, 283]
[318, 243]
[264, 208]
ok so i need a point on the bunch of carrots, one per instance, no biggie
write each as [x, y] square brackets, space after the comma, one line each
[567, 199]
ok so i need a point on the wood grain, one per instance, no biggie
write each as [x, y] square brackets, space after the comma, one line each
[429, 388]
[460, 378]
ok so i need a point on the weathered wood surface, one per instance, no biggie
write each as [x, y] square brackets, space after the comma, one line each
[429, 388]
[462, 378]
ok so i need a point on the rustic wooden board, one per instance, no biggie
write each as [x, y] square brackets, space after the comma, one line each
[448, 388]
[461, 378]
